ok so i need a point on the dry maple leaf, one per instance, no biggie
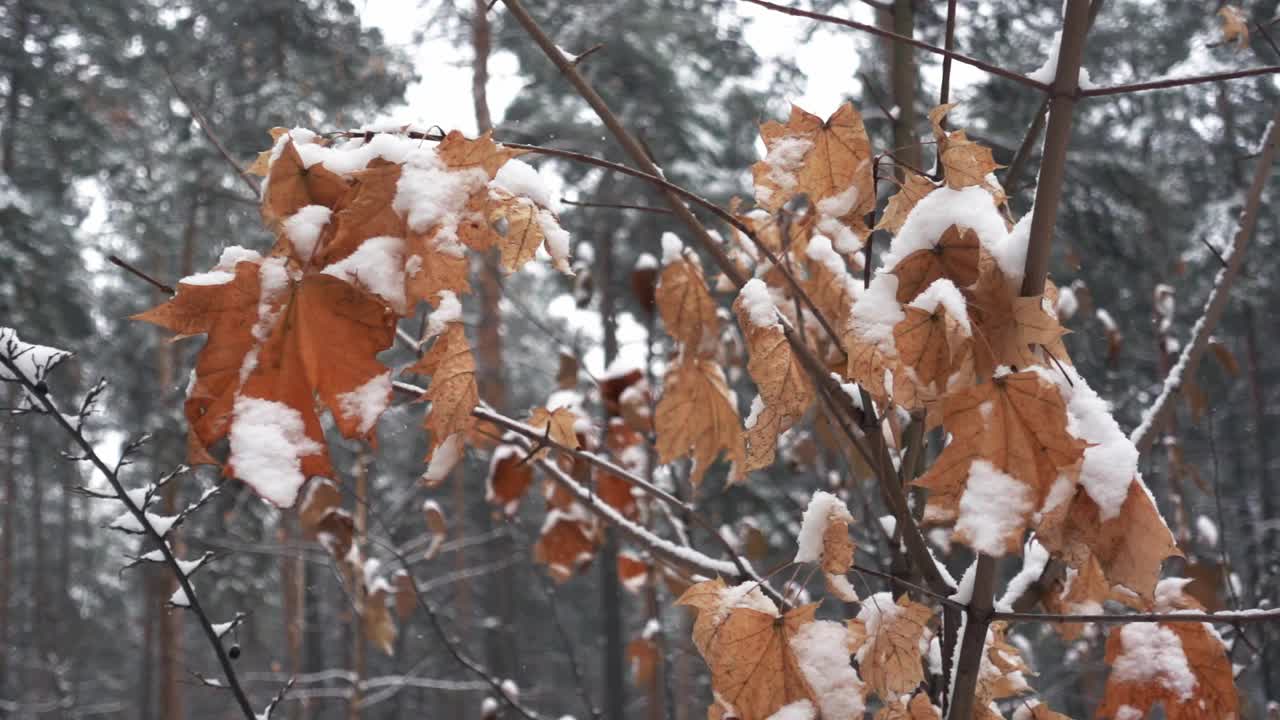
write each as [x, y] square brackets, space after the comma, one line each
[784, 387]
[633, 571]
[754, 668]
[927, 342]
[954, 257]
[278, 343]
[964, 162]
[453, 393]
[1130, 547]
[685, 303]
[828, 160]
[1235, 26]
[1015, 426]
[904, 201]
[893, 637]
[509, 478]
[696, 416]
[379, 628]
[642, 656]
[566, 545]
[557, 425]
[1182, 666]
[291, 186]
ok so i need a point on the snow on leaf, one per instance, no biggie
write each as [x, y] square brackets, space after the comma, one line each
[783, 384]
[696, 416]
[748, 647]
[509, 478]
[1182, 666]
[1017, 424]
[566, 545]
[918, 707]
[954, 256]
[902, 202]
[893, 636]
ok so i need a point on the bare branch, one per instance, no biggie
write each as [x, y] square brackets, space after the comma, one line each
[77, 436]
[1178, 82]
[1189, 361]
[964, 59]
[248, 179]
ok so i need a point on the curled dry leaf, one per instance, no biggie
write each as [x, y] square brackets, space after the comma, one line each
[509, 478]
[893, 637]
[453, 393]
[684, 301]
[379, 627]
[904, 201]
[1235, 26]
[919, 707]
[830, 159]
[696, 416]
[633, 571]
[783, 385]
[642, 656]
[557, 425]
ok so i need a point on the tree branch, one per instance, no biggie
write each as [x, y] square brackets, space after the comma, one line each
[90, 454]
[1189, 360]
[1177, 82]
[964, 59]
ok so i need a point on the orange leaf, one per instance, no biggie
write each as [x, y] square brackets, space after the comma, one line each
[509, 478]
[1192, 678]
[452, 393]
[685, 303]
[696, 416]
[566, 545]
[954, 257]
[890, 656]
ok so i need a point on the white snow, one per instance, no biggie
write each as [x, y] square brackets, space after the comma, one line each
[1034, 558]
[672, 248]
[234, 255]
[179, 598]
[518, 177]
[993, 506]
[822, 653]
[757, 407]
[944, 292]
[646, 261]
[378, 266]
[213, 277]
[1207, 530]
[1049, 69]
[1067, 303]
[449, 310]
[33, 362]
[368, 401]
[784, 160]
[839, 205]
[972, 207]
[556, 241]
[268, 442]
[444, 459]
[823, 508]
[876, 311]
[758, 303]
[1151, 652]
[798, 710]
[430, 194]
[303, 229]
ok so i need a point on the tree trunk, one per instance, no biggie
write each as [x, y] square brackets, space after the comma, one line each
[8, 161]
[7, 533]
[359, 650]
[291, 587]
[902, 83]
[615, 689]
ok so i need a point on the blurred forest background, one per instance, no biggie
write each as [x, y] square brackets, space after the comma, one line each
[100, 154]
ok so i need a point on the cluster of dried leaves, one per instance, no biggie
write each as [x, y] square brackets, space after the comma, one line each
[942, 336]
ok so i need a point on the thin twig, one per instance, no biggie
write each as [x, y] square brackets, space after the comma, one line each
[617, 206]
[141, 275]
[964, 59]
[1176, 82]
[139, 514]
[248, 179]
[1189, 360]
[1225, 618]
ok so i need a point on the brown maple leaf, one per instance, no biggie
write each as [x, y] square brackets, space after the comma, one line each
[785, 390]
[919, 707]
[833, 163]
[1235, 26]
[954, 257]
[277, 344]
[567, 544]
[754, 668]
[684, 301]
[453, 393]
[904, 201]
[1192, 678]
[892, 636]
[1016, 425]
[696, 416]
